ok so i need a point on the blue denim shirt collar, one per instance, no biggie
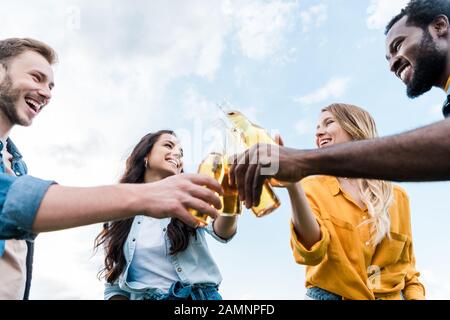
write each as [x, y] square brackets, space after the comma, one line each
[12, 149]
[18, 166]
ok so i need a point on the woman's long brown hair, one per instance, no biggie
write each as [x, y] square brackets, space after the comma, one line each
[115, 233]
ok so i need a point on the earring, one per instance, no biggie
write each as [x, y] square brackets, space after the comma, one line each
[145, 163]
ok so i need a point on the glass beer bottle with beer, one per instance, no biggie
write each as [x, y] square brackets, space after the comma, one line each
[215, 166]
[212, 166]
[251, 135]
[230, 201]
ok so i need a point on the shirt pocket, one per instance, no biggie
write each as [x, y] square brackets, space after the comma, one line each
[343, 240]
[390, 251]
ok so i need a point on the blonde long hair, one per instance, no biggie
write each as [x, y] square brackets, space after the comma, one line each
[377, 195]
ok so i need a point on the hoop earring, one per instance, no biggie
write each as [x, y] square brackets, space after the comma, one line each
[145, 163]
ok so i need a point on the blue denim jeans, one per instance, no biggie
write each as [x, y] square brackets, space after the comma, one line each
[180, 291]
[316, 293]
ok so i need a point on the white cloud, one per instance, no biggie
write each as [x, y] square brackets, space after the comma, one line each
[314, 16]
[197, 106]
[381, 11]
[261, 26]
[335, 88]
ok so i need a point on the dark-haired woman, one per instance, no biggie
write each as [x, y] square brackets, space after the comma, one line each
[160, 259]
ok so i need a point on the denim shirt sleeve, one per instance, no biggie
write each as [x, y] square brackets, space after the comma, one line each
[210, 229]
[20, 198]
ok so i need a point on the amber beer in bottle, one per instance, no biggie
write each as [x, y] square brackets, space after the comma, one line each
[231, 205]
[251, 135]
[211, 166]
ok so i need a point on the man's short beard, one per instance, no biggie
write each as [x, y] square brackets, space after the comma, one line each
[8, 99]
[430, 64]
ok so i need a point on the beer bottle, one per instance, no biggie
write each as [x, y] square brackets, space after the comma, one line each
[231, 205]
[211, 166]
[251, 135]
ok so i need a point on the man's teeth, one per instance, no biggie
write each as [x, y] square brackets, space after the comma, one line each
[403, 73]
[36, 105]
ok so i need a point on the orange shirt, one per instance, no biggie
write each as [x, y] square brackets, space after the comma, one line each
[343, 261]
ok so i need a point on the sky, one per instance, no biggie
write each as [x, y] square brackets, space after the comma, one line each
[126, 69]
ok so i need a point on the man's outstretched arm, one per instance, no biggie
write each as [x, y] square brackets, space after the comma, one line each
[53, 207]
[419, 155]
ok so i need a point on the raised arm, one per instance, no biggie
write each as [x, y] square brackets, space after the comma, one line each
[303, 219]
[225, 227]
[419, 155]
[30, 205]
[67, 207]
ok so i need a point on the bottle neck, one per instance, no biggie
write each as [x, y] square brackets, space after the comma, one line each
[240, 123]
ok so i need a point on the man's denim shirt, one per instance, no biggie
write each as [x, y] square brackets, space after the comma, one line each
[194, 265]
[20, 198]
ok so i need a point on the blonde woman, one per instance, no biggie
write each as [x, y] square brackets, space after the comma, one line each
[354, 235]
